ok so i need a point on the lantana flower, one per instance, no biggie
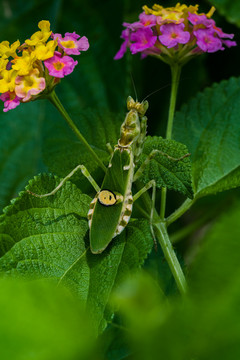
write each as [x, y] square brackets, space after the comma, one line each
[11, 100]
[60, 66]
[31, 84]
[173, 34]
[33, 69]
[72, 44]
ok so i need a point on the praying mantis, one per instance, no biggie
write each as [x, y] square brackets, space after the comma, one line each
[111, 208]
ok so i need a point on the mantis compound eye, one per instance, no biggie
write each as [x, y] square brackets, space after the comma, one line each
[107, 198]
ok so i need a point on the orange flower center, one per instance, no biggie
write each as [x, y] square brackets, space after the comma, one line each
[58, 65]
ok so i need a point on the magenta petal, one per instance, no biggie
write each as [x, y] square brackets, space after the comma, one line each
[121, 51]
[60, 66]
[73, 35]
[56, 36]
[229, 43]
[83, 44]
[147, 20]
[8, 103]
[173, 34]
[207, 42]
[142, 39]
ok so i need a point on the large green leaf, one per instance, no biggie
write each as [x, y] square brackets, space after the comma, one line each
[167, 172]
[209, 126]
[40, 322]
[47, 238]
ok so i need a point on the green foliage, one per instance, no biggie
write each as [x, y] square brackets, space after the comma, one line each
[207, 317]
[32, 218]
[175, 175]
[218, 257]
[48, 238]
[209, 126]
[39, 321]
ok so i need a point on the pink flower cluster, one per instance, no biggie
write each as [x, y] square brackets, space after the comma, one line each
[167, 32]
[33, 69]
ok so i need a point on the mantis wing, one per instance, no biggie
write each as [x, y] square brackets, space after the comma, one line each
[108, 219]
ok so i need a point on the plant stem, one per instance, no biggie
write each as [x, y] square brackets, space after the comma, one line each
[161, 227]
[180, 211]
[170, 256]
[58, 105]
[175, 72]
[165, 243]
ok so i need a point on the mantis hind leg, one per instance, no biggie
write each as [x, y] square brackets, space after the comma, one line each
[84, 172]
[150, 184]
[151, 156]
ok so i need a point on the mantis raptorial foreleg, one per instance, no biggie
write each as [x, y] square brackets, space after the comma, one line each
[151, 156]
[150, 184]
[84, 172]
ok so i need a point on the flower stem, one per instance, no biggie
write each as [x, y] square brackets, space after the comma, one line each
[170, 256]
[161, 226]
[58, 105]
[176, 72]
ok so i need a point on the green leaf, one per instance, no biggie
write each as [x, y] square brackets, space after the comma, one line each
[40, 321]
[48, 238]
[175, 175]
[125, 254]
[209, 126]
[229, 9]
[30, 216]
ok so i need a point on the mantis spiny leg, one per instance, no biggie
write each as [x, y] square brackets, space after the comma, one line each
[84, 172]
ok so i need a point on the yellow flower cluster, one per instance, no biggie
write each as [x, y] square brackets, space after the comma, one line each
[170, 14]
[174, 14]
[21, 69]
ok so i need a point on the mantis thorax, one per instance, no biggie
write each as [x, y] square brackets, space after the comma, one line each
[131, 128]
